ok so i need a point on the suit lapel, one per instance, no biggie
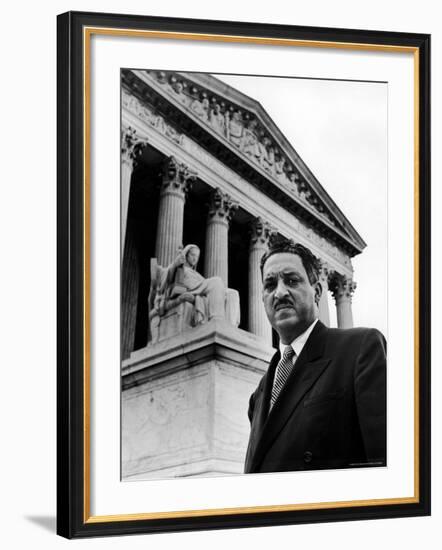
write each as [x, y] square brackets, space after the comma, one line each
[261, 410]
[308, 368]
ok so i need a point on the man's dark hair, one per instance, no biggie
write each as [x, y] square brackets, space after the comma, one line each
[278, 245]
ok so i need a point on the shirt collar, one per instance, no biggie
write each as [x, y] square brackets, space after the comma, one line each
[299, 342]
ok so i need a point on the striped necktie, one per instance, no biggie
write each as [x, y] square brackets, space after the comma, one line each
[283, 371]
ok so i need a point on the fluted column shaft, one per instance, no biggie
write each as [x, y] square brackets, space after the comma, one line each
[170, 226]
[221, 210]
[216, 263]
[129, 295]
[342, 289]
[324, 313]
[258, 322]
[176, 182]
[126, 174]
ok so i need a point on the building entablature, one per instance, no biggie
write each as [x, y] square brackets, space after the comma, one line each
[217, 175]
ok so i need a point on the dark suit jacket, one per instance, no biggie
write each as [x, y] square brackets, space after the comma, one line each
[331, 412]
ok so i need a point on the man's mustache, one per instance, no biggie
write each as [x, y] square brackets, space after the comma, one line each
[282, 303]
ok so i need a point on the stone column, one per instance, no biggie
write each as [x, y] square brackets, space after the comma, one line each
[131, 150]
[342, 288]
[324, 314]
[259, 238]
[221, 210]
[176, 182]
[129, 294]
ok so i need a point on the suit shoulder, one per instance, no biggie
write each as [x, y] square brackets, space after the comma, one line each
[357, 333]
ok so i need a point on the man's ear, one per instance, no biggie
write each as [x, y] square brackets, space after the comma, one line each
[318, 292]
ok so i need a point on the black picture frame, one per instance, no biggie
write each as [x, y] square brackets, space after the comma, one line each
[73, 517]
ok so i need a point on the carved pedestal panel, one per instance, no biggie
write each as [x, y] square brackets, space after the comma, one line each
[185, 401]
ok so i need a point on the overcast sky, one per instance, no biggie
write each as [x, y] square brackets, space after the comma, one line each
[339, 129]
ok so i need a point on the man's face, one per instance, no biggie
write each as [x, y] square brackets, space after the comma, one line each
[289, 299]
[193, 257]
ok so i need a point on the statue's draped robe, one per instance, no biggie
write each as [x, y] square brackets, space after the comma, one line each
[175, 281]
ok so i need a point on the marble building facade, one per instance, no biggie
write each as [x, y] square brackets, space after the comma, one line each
[203, 163]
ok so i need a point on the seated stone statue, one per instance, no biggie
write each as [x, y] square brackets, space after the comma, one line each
[180, 283]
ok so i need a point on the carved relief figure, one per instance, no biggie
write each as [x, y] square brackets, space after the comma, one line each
[148, 116]
[293, 181]
[162, 77]
[173, 134]
[132, 103]
[178, 88]
[160, 124]
[216, 119]
[227, 123]
[302, 187]
[201, 108]
[279, 164]
[267, 153]
[250, 145]
[235, 128]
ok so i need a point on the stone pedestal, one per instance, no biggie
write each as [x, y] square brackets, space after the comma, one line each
[185, 402]
[258, 322]
[221, 209]
[342, 288]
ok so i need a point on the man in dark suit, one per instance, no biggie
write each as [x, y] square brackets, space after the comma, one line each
[322, 402]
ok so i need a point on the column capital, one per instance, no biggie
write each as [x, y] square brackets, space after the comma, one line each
[221, 207]
[325, 272]
[177, 178]
[128, 140]
[342, 287]
[260, 233]
[131, 146]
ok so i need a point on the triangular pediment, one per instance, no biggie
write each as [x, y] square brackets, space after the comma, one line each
[245, 129]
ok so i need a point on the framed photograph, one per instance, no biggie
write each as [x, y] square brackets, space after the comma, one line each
[243, 233]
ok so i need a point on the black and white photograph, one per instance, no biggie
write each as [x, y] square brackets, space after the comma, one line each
[253, 274]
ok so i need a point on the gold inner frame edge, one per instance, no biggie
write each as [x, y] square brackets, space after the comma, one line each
[87, 33]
